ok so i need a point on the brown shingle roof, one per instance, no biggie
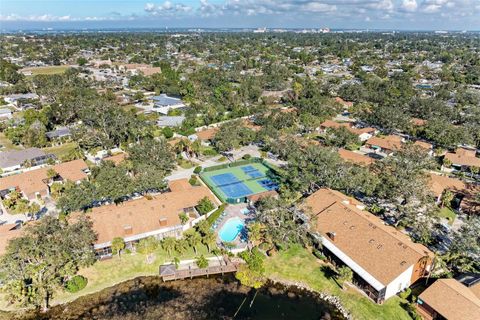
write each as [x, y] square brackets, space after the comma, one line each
[382, 251]
[31, 182]
[142, 215]
[207, 134]
[354, 157]
[463, 157]
[424, 145]
[390, 142]
[439, 183]
[117, 159]
[334, 124]
[7, 233]
[452, 300]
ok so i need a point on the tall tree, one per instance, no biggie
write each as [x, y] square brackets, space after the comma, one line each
[37, 263]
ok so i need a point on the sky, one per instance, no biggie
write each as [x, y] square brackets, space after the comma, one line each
[335, 14]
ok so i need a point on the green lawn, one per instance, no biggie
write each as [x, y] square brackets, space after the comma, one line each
[61, 150]
[448, 214]
[297, 264]
[107, 273]
[47, 70]
[7, 144]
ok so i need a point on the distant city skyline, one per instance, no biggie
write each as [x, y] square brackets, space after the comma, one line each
[337, 14]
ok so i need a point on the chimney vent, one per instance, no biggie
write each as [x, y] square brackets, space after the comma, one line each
[127, 229]
[163, 221]
[332, 235]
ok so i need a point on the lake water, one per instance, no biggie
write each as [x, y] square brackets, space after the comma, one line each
[148, 298]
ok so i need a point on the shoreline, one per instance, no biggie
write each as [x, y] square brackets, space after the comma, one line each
[272, 282]
[331, 299]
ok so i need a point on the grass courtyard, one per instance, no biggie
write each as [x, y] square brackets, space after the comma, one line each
[448, 214]
[299, 265]
[47, 70]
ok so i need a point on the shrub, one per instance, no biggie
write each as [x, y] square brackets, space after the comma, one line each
[405, 294]
[205, 206]
[197, 170]
[76, 284]
[246, 156]
[319, 255]
[193, 181]
[209, 152]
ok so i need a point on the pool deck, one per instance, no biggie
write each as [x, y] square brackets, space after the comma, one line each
[233, 211]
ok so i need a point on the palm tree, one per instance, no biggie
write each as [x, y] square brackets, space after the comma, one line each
[193, 239]
[181, 246]
[168, 244]
[447, 198]
[201, 262]
[255, 232]
[176, 262]
[209, 240]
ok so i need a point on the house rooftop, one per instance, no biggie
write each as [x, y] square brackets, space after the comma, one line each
[8, 232]
[31, 182]
[142, 215]
[390, 142]
[382, 251]
[168, 121]
[18, 157]
[438, 184]
[355, 157]
[452, 300]
[164, 100]
[463, 157]
[58, 133]
[207, 134]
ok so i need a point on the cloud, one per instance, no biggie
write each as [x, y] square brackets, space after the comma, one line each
[40, 18]
[166, 8]
[410, 5]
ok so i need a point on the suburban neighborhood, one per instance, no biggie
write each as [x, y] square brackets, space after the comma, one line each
[337, 171]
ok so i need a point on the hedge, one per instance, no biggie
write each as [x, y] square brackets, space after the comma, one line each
[76, 284]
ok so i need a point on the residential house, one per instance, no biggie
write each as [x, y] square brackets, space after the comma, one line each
[330, 124]
[14, 160]
[355, 157]
[163, 103]
[141, 218]
[464, 193]
[362, 133]
[117, 158]
[463, 158]
[5, 114]
[35, 183]
[61, 132]
[386, 145]
[428, 147]
[384, 260]
[449, 299]
[170, 121]
[16, 99]
[205, 136]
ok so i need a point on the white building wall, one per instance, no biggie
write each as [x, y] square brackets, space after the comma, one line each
[400, 283]
[352, 265]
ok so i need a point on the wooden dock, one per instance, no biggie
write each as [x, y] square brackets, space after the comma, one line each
[170, 273]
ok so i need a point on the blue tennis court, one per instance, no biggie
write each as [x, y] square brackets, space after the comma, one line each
[268, 184]
[224, 179]
[247, 169]
[236, 190]
[255, 174]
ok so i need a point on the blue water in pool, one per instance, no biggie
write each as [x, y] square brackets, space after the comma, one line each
[231, 229]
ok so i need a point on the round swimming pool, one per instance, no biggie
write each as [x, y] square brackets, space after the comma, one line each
[231, 229]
